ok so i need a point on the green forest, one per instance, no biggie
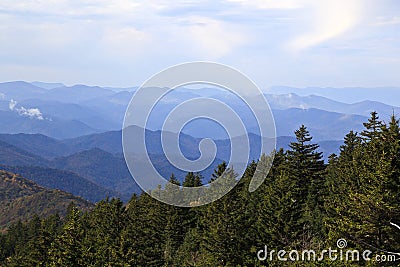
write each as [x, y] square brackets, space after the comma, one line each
[304, 203]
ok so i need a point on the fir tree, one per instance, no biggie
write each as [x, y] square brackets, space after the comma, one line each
[67, 248]
[372, 128]
[306, 168]
[219, 171]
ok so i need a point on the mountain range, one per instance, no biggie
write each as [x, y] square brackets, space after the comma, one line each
[66, 141]
[63, 112]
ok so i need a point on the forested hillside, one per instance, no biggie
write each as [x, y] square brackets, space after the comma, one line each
[21, 199]
[63, 180]
[303, 204]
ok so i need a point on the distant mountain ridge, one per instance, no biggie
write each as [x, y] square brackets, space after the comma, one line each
[363, 108]
[384, 94]
[93, 167]
[73, 111]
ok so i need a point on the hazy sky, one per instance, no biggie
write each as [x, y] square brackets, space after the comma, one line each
[275, 42]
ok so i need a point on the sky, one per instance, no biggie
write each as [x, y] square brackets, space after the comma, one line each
[300, 43]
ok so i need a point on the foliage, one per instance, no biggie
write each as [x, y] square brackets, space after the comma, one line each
[303, 204]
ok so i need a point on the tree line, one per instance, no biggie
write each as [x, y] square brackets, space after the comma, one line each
[303, 204]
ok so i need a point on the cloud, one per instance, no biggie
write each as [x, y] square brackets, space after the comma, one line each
[12, 104]
[383, 21]
[210, 38]
[330, 19]
[270, 4]
[299, 24]
[32, 113]
[123, 42]
[2, 96]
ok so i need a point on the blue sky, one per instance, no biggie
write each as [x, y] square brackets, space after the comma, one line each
[336, 43]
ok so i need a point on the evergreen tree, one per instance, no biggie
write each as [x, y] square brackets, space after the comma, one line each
[173, 180]
[189, 253]
[172, 192]
[372, 128]
[302, 201]
[67, 248]
[142, 238]
[351, 142]
[104, 226]
[192, 180]
[174, 231]
[222, 224]
[306, 168]
[14, 242]
[280, 209]
[218, 172]
[38, 244]
[364, 188]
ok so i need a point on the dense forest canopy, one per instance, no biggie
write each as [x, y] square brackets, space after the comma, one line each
[303, 204]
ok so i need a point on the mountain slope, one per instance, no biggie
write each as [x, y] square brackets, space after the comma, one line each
[53, 127]
[55, 109]
[63, 180]
[389, 95]
[12, 155]
[20, 90]
[76, 94]
[323, 125]
[109, 141]
[47, 86]
[100, 167]
[363, 108]
[38, 144]
[20, 199]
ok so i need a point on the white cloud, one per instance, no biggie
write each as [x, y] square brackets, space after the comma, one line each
[69, 8]
[2, 96]
[12, 104]
[383, 21]
[210, 38]
[123, 42]
[271, 4]
[331, 18]
[32, 113]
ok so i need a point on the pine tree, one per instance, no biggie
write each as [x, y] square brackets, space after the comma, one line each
[142, 238]
[104, 226]
[172, 193]
[174, 232]
[189, 253]
[222, 223]
[67, 248]
[38, 244]
[14, 242]
[306, 168]
[280, 209]
[351, 142]
[192, 180]
[174, 180]
[219, 171]
[372, 128]
[364, 188]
